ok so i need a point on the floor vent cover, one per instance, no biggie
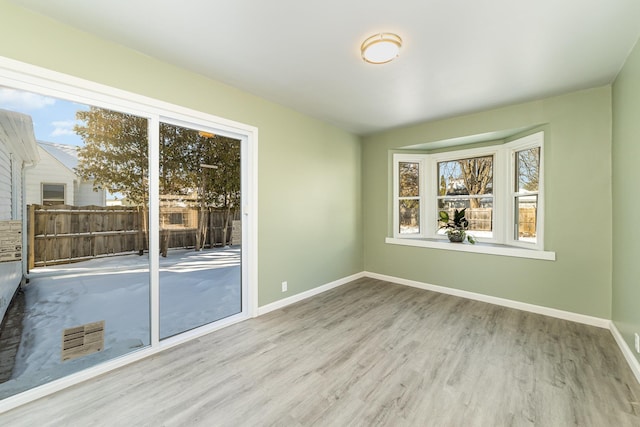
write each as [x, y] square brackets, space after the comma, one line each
[82, 340]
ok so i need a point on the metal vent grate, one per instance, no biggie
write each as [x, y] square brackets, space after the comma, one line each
[82, 340]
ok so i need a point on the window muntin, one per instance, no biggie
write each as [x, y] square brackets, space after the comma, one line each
[53, 194]
[506, 207]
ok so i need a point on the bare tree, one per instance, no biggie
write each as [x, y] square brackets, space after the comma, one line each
[477, 174]
[528, 168]
[473, 177]
[409, 179]
[115, 157]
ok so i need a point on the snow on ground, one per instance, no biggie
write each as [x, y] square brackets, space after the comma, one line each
[196, 288]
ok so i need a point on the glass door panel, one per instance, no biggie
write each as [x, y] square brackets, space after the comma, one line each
[87, 300]
[200, 228]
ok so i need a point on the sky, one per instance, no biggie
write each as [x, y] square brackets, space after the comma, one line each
[53, 118]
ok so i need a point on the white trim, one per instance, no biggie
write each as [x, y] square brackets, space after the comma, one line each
[422, 186]
[535, 140]
[65, 382]
[31, 78]
[634, 364]
[153, 219]
[46, 82]
[479, 248]
[250, 221]
[493, 151]
[54, 386]
[308, 294]
[502, 194]
[532, 308]
[64, 190]
[103, 368]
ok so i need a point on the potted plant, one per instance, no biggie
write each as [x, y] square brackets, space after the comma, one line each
[456, 227]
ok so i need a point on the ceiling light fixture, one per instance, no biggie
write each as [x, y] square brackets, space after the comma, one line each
[381, 48]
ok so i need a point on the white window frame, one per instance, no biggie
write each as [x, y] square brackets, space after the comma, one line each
[525, 143]
[434, 159]
[22, 76]
[409, 158]
[503, 195]
[64, 192]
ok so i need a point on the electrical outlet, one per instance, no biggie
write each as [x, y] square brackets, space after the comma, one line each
[284, 286]
[637, 343]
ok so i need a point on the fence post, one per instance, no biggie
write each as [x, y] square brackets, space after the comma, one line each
[31, 232]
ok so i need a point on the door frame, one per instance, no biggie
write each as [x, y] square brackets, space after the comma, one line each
[22, 76]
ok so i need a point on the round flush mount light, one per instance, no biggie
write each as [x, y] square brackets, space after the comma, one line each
[381, 48]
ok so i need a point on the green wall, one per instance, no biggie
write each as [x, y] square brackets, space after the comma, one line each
[324, 197]
[626, 203]
[309, 172]
[577, 212]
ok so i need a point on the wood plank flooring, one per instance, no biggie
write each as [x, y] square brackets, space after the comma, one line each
[369, 353]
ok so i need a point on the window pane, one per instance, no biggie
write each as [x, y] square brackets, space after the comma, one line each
[200, 228]
[409, 216]
[480, 218]
[472, 176]
[409, 179]
[449, 205]
[527, 170]
[53, 192]
[526, 210]
[87, 301]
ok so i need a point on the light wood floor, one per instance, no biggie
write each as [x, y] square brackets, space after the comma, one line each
[366, 353]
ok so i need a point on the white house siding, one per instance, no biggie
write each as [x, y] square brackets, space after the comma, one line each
[57, 166]
[49, 171]
[17, 148]
[85, 195]
[5, 183]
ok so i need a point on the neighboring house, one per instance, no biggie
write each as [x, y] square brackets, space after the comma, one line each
[54, 180]
[17, 151]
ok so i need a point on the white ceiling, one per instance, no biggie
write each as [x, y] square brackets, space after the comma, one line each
[458, 56]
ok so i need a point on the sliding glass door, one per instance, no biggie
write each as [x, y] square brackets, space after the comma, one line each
[86, 214]
[200, 228]
[132, 226]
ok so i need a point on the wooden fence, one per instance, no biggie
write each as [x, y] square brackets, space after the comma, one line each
[480, 219]
[527, 222]
[63, 234]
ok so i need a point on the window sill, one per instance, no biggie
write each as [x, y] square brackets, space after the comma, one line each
[480, 248]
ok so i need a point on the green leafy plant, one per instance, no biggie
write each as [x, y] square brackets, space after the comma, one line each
[456, 227]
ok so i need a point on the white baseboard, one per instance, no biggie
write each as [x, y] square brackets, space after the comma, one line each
[59, 384]
[532, 308]
[626, 351]
[44, 390]
[552, 312]
[307, 294]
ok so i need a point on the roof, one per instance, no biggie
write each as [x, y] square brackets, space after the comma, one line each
[16, 130]
[65, 154]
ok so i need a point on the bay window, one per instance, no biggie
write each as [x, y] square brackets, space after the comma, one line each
[500, 186]
[468, 183]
